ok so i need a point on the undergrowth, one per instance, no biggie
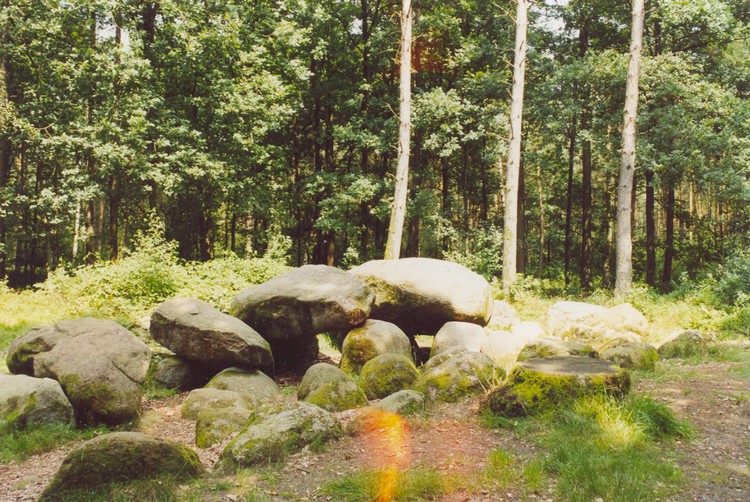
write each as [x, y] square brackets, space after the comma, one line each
[18, 444]
[602, 448]
[365, 486]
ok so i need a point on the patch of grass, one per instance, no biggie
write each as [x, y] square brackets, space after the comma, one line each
[600, 447]
[19, 444]
[365, 486]
[502, 470]
[149, 490]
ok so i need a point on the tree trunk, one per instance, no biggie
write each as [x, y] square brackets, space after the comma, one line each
[510, 238]
[624, 274]
[6, 155]
[569, 203]
[398, 211]
[650, 230]
[540, 193]
[586, 244]
[666, 275]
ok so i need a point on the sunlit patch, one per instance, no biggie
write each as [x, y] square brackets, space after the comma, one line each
[388, 447]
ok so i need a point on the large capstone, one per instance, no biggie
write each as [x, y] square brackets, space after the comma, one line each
[121, 457]
[27, 401]
[196, 331]
[290, 309]
[420, 295]
[100, 366]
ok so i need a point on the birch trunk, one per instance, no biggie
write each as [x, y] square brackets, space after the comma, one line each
[512, 173]
[398, 211]
[624, 274]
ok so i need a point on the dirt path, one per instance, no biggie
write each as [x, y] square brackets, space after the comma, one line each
[452, 441]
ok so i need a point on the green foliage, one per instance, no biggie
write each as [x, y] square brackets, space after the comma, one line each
[732, 285]
[482, 251]
[18, 444]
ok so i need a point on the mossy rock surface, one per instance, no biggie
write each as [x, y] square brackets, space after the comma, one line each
[175, 372]
[121, 457]
[372, 339]
[213, 425]
[277, 430]
[254, 385]
[328, 387]
[464, 374]
[683, 344]
[403, 402]
[630, 355]
[540, 385]
[207, 399]
[455, 334]
[27, 401]
[387, 374]
[555, 347]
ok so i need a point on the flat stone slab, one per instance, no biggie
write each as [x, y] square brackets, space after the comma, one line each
[570, 366]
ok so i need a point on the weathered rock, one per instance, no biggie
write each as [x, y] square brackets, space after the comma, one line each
[372, 339]
[463, 335]
[503, 317]
[175, 372]
[253, 384]
[441, 358]
[304, 302]
[627, 354]
[27, 401]
[195, 330]
[328, 387]
[213, 425]
[388, 373]
[100, 366]
[540, 385]
[595, 324]
[683, 344]
[382, 426]
[206, 399]
[555, 347]
[403, 402]
[528, 329]
[420, 295]
[121, 457]
[277, 430]
[503, 347]
[463, 374]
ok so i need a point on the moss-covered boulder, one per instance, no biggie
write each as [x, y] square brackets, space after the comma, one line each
[464, 374]
[555, 347]
[277, 430]
[27, 401]
[121, 457]
[631, 355]
[213, 425]
[300, 304]
[205, 399]
[683, 344]
[372, 339]
[403, 402]
[255, 385]
[386, 374]
[540, 385]
[328, 387]
[420, 295]
[195, 330]
[595, 324]
[100, 366]
[455, 334]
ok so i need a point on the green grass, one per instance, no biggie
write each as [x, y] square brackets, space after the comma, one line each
[19, 444]
[601, 448]
[365, 486]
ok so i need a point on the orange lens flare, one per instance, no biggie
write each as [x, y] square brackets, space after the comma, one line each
[388, 443]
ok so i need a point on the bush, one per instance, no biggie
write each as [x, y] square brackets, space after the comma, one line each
[732, 286]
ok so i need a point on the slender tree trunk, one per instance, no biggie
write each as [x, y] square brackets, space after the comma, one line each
[398, 211]
[510, 238]
[650, 230]
[540, 193]
[521, 226]
[624, 274]
[586, 118]
[6, 154]
[569, 201]
[666, 275]
[93, 234]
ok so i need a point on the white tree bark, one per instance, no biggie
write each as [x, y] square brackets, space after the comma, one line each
[398, 210]
[623, 233]
[513, 166]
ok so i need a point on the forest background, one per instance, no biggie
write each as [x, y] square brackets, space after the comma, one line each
[269, 128]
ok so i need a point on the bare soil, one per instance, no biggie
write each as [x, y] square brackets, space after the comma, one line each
[451, 439]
